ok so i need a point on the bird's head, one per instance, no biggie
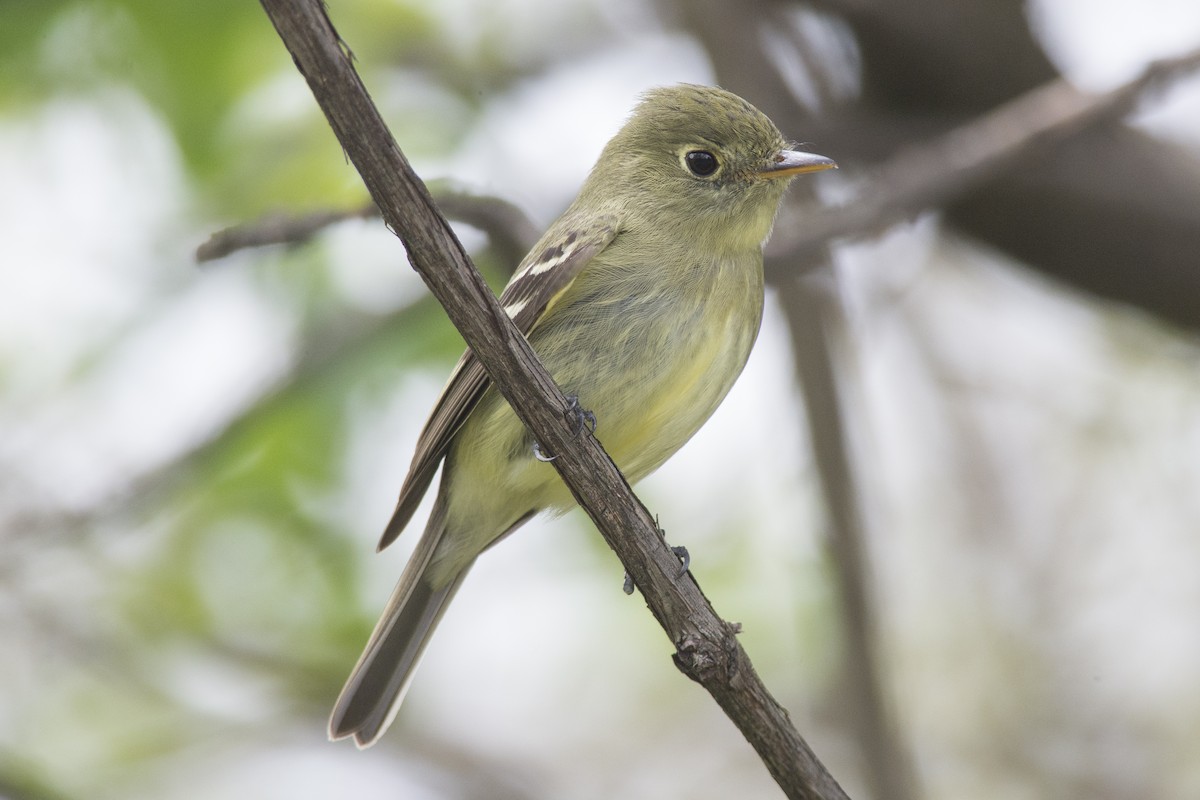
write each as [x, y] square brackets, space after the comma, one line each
[699, 161]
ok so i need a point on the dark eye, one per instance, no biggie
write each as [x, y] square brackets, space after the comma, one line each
[701, 162]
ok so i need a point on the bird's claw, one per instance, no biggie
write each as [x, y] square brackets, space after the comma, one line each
[579, 416]
[685, 560]
[681, 552]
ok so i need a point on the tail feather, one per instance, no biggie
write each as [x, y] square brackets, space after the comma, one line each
[372, 695]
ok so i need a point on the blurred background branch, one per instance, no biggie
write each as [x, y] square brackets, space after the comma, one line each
[932, 173]
[509, 230]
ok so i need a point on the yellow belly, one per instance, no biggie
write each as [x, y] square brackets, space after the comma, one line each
[652, 368]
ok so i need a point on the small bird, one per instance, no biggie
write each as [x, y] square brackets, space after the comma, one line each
[643, 300]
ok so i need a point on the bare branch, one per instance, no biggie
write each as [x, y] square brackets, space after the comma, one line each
[935, 172]
[507, 226]
[706, 647]
[277, 228]
[815, 320]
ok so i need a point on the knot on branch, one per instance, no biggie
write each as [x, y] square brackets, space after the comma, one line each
[709, 656]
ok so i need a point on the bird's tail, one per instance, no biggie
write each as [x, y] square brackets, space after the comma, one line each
[372, 694]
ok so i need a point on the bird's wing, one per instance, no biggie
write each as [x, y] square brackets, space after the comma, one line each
[543, 276]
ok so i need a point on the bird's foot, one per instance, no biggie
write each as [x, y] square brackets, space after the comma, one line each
[681, 552]
[578, 416]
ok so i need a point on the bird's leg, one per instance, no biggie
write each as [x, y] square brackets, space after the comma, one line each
[578, 416]
[685, 559]
[681, 552]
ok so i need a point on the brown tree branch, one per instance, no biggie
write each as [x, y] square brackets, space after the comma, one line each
[933, 173]
[509, 228]
[706, 648]
[511, 232]
[1112, 211]
[275, 228]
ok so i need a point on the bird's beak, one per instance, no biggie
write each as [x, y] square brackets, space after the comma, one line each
[794, 162]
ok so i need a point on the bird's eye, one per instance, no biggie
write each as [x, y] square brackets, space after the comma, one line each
[701, 162]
